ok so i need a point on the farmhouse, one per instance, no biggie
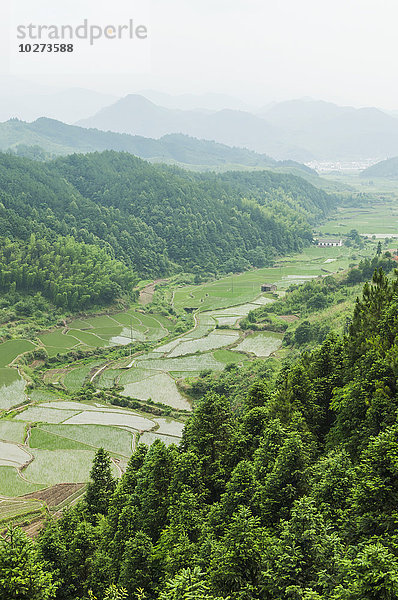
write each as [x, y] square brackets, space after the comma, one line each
[328, 242]
[268, 287]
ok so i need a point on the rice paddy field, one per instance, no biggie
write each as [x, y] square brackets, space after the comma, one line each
[93, 332]
[54, 441]
[12, 388]
[51, 437]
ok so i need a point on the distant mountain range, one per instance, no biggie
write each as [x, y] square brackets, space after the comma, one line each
[302, 130]
[56, 138]
[29, 101]
[137, 115]
[386, 168]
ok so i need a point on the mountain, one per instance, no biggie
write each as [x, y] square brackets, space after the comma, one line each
[57, 138]
[136, 115]
[332, 132]
[386, 168]
[302, 130]
[29, 101]
[46, 137]
[157, 219]
[206, 102]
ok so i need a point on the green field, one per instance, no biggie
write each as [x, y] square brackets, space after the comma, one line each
[261, 344]
[12, 348]
[12, 484]
[115, 440]
[12, 431]
[246, 287]
[160, 387]
[380, 219]
[40, 438]
[12, 388]
[58, 466]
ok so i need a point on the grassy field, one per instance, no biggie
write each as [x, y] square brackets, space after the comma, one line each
[12, 484]
[12, 348]
[380, 219]
[40, 438]
[246, 287]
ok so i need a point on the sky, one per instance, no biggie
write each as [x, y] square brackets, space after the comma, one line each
[260, 51]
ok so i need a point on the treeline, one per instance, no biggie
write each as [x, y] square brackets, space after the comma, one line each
[70, 274]
[287, 490]
[158, 219]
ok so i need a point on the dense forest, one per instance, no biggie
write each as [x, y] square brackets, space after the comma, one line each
[122, 214]
[284, 486]
[70, 274]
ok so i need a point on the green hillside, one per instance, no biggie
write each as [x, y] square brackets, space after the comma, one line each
[386, 168]
[157, 219]
[50, 137]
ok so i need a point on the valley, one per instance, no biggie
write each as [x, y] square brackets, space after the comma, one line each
[56, 416]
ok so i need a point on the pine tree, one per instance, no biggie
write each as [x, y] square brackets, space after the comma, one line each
[102, 484]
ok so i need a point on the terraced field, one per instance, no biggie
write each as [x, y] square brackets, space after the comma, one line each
[93, 332]
[12, 388]
[53, 440]
[62, 437]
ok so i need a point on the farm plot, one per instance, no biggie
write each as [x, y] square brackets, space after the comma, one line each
[379, 218]
[131, 420]
[12, 388]
[12, 431]
[38, 395]
[160, 387]
[58, 342]
[229, 356]
[112, 439]
[169, 427]
[212, 341]
[260, 344]
[58, 466]
[11, 508]
[244, 288]
[12, 455]
[40, 438]
[75, 378]
[39, 414]
[184, 363]
[12, 348]
[12, 484]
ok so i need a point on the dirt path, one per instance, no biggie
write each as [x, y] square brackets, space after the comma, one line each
[98, 372]
[146, 294]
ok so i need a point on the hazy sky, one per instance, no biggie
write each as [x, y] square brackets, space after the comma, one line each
[258, 50]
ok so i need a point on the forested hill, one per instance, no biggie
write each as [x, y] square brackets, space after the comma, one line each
[47, 136]
[386, 168]
[156, 219]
